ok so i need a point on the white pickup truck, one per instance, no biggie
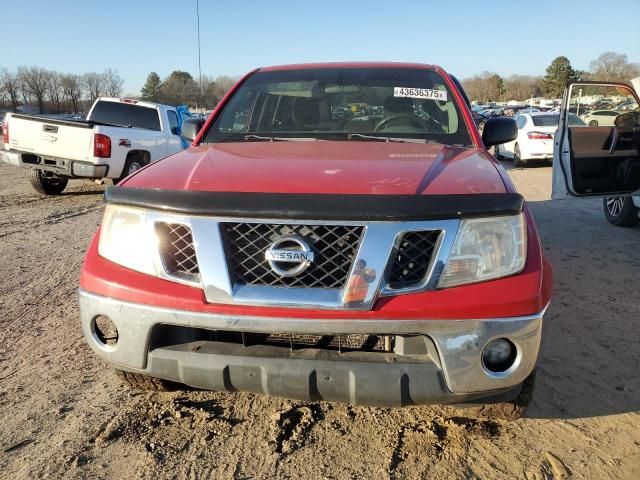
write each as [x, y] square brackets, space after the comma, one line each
[118, 137]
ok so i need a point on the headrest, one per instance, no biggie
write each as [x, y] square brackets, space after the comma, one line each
[398, 105]
[306, 110]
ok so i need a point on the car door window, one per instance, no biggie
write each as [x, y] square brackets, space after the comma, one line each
[173, 122]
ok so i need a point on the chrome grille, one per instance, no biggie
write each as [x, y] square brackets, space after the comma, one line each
[177, 250]
[411, 258]
[334, 247]
[340, 342]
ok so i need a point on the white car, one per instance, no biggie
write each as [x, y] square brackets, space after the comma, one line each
[535, 138]
[600, 118]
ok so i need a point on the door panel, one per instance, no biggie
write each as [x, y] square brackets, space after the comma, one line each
[597, 171]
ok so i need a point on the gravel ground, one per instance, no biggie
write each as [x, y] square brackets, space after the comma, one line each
[63, 412]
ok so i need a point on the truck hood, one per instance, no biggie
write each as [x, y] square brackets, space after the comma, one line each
[327, 167]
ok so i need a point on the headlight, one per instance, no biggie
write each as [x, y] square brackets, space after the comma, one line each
[127, 239]
[485, 249]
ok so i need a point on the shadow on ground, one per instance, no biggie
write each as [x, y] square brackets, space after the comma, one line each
[590, 354]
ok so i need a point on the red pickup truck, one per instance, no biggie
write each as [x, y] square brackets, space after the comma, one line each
[335, 232]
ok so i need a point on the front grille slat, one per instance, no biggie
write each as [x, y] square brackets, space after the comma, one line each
[411, 258]
[177, 250]
[334, 247]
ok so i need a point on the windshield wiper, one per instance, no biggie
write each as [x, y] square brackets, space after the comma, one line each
[362, 136]
[279, 139]
[106, 124]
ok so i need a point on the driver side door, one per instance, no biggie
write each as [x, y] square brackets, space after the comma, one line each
[597, 160]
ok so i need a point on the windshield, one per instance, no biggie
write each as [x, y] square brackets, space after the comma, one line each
[342, 104]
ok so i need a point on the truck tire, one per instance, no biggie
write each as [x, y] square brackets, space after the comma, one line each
[46, 185]
[620, 211]
[137, 381]
[134, 163]
[512, 410]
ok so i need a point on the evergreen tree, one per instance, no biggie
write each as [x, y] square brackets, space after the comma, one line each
[495, 87]
[151, 89]
[559, 73]
[179, 88]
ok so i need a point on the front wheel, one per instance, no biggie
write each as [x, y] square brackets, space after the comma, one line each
[620, 211]
[46, 184]
[593, 123]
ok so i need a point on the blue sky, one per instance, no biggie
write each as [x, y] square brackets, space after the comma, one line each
[465, 37]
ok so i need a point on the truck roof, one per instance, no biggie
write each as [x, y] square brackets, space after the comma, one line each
[141, 103]
[304, 66]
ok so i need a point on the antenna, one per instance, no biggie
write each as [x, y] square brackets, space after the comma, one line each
[199, 64]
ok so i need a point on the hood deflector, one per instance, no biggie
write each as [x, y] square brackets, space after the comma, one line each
[296, 206]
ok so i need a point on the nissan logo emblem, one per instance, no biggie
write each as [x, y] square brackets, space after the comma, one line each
[289, 256]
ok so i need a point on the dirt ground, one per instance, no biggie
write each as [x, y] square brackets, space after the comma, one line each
[63, 412]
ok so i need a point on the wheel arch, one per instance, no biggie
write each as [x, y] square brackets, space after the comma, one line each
[145, 155]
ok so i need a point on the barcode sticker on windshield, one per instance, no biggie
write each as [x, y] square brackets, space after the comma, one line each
[440, 95]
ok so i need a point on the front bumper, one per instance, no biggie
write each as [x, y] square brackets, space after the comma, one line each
[450, 372]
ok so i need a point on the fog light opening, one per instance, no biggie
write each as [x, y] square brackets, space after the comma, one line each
[106, 330]
[499, 355]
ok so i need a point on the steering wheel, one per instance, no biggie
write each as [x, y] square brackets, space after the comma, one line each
[412, 119]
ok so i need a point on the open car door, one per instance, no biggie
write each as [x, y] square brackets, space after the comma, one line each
[597, 144]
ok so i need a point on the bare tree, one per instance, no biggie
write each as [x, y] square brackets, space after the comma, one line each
[94, 85]
[223, 85]
[610, 66]
[207, 92]
[35, 82]
[56, 91]
[10, 85]
[486, 87]
[112, 82]
[521, 87]
[72, 89]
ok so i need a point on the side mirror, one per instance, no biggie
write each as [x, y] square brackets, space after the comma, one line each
[498, 130]
[190, 128]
